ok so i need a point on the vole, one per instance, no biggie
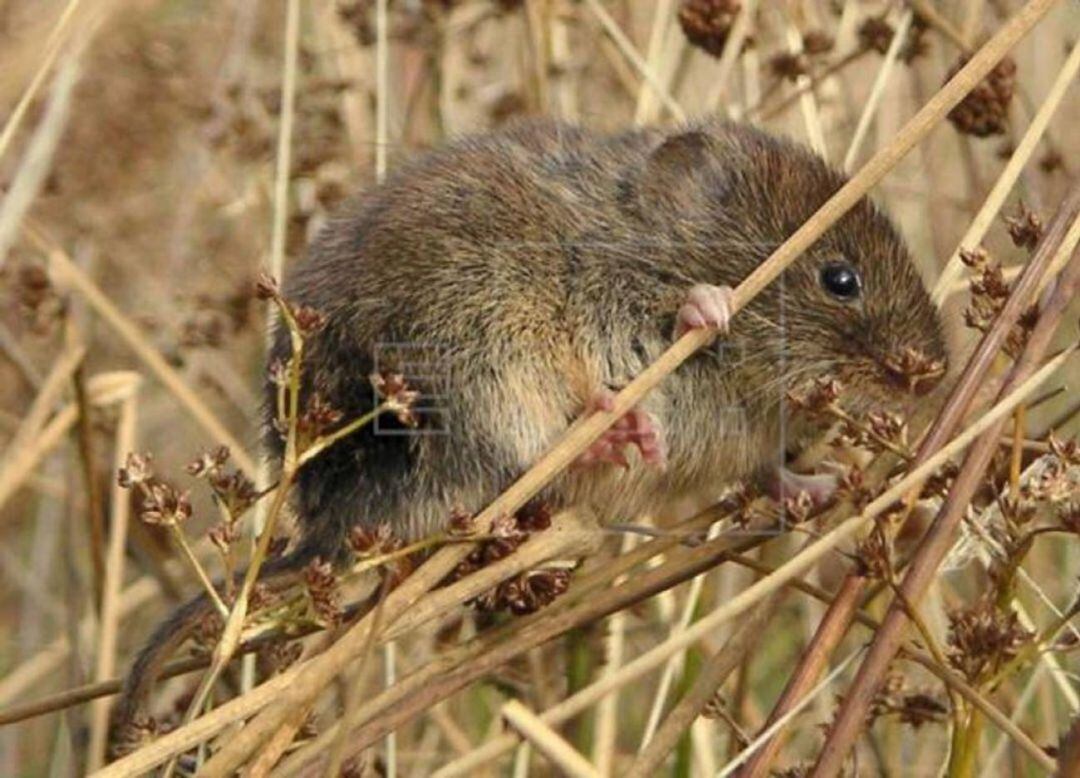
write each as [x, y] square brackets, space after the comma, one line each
[518, 278]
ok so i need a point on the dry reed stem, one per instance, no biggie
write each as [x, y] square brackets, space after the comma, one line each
[53, 45]
[548, 742]
[929, 14]
[980, 225]
[740, 29]
[628, 50]
[711, 676]
[16, 465]
[320, 670]
[36, 163]
[843, 608]
[561, 539]
[645, 107]
[66, 270]
[808, 105]
[662, 689]
[781, 722]
[589, 598]
[873, 102]
[607, 732]
[939, 537]
[790, 570]
[112, 583]
[771, 732]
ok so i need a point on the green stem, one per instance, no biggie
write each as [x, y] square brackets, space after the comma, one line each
[204, 579]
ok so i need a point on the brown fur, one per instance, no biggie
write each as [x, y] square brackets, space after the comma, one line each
[543, 262]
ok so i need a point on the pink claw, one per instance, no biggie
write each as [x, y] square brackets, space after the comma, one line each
[706, 306]
[635, 428]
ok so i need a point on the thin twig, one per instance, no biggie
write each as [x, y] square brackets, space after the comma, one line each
[545, 740]
[710, 677]
[113, 582]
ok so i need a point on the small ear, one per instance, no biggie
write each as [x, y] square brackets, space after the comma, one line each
[680, 154]
[669, 172]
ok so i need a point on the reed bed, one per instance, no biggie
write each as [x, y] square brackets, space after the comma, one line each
[162, 163]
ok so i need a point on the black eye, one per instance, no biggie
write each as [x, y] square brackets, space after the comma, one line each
[841, 280]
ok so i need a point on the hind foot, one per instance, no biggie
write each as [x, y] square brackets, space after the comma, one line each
[637, 428]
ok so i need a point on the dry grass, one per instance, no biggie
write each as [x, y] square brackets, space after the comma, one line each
[155, 156]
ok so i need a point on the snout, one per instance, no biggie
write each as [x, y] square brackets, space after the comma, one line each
[912, 370]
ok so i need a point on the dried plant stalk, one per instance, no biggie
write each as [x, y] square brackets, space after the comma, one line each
[939, 537]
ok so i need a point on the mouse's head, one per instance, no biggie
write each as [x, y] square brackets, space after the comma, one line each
[853, 305]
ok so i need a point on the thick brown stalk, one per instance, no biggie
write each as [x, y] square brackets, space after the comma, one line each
[834, 625]
[837, 619]
[939, 537]
[714, 672]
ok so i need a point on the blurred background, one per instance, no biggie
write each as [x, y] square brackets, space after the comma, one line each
[142, 164]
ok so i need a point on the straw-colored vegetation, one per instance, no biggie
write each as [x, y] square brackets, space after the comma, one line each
[158, 158]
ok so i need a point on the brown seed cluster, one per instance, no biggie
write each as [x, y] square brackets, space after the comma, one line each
[789, 65]
[321, 585]
[985, 109]
[160, 503]
[816, 395]
[37, 299]
[398, 396]
[1026, 228]
[982, 638]
[876, 33]
[526, 592]
[989, 293]
[707, 23]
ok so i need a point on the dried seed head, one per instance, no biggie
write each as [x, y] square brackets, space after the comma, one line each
[1026, 228]
[873, 555]
[707, 23]
[981, 638]
[788, 65]
[916, 44]
[275, 658]
[876, 33]
[164, 505]
[137, 470]
[266, 287]
[1066, 450]
[321, 584]
[985, 109]
[318, 417]
[817, 42]
[397, 395]
[223, 535]
[816, 395]
[309, 320]
[798, 508]
[913, 369]
[461, 523]
[1051, 161]
[208, 462]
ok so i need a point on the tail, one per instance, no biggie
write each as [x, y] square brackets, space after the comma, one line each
[130, 720]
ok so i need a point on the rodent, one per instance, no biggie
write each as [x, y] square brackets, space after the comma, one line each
[544, 264]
